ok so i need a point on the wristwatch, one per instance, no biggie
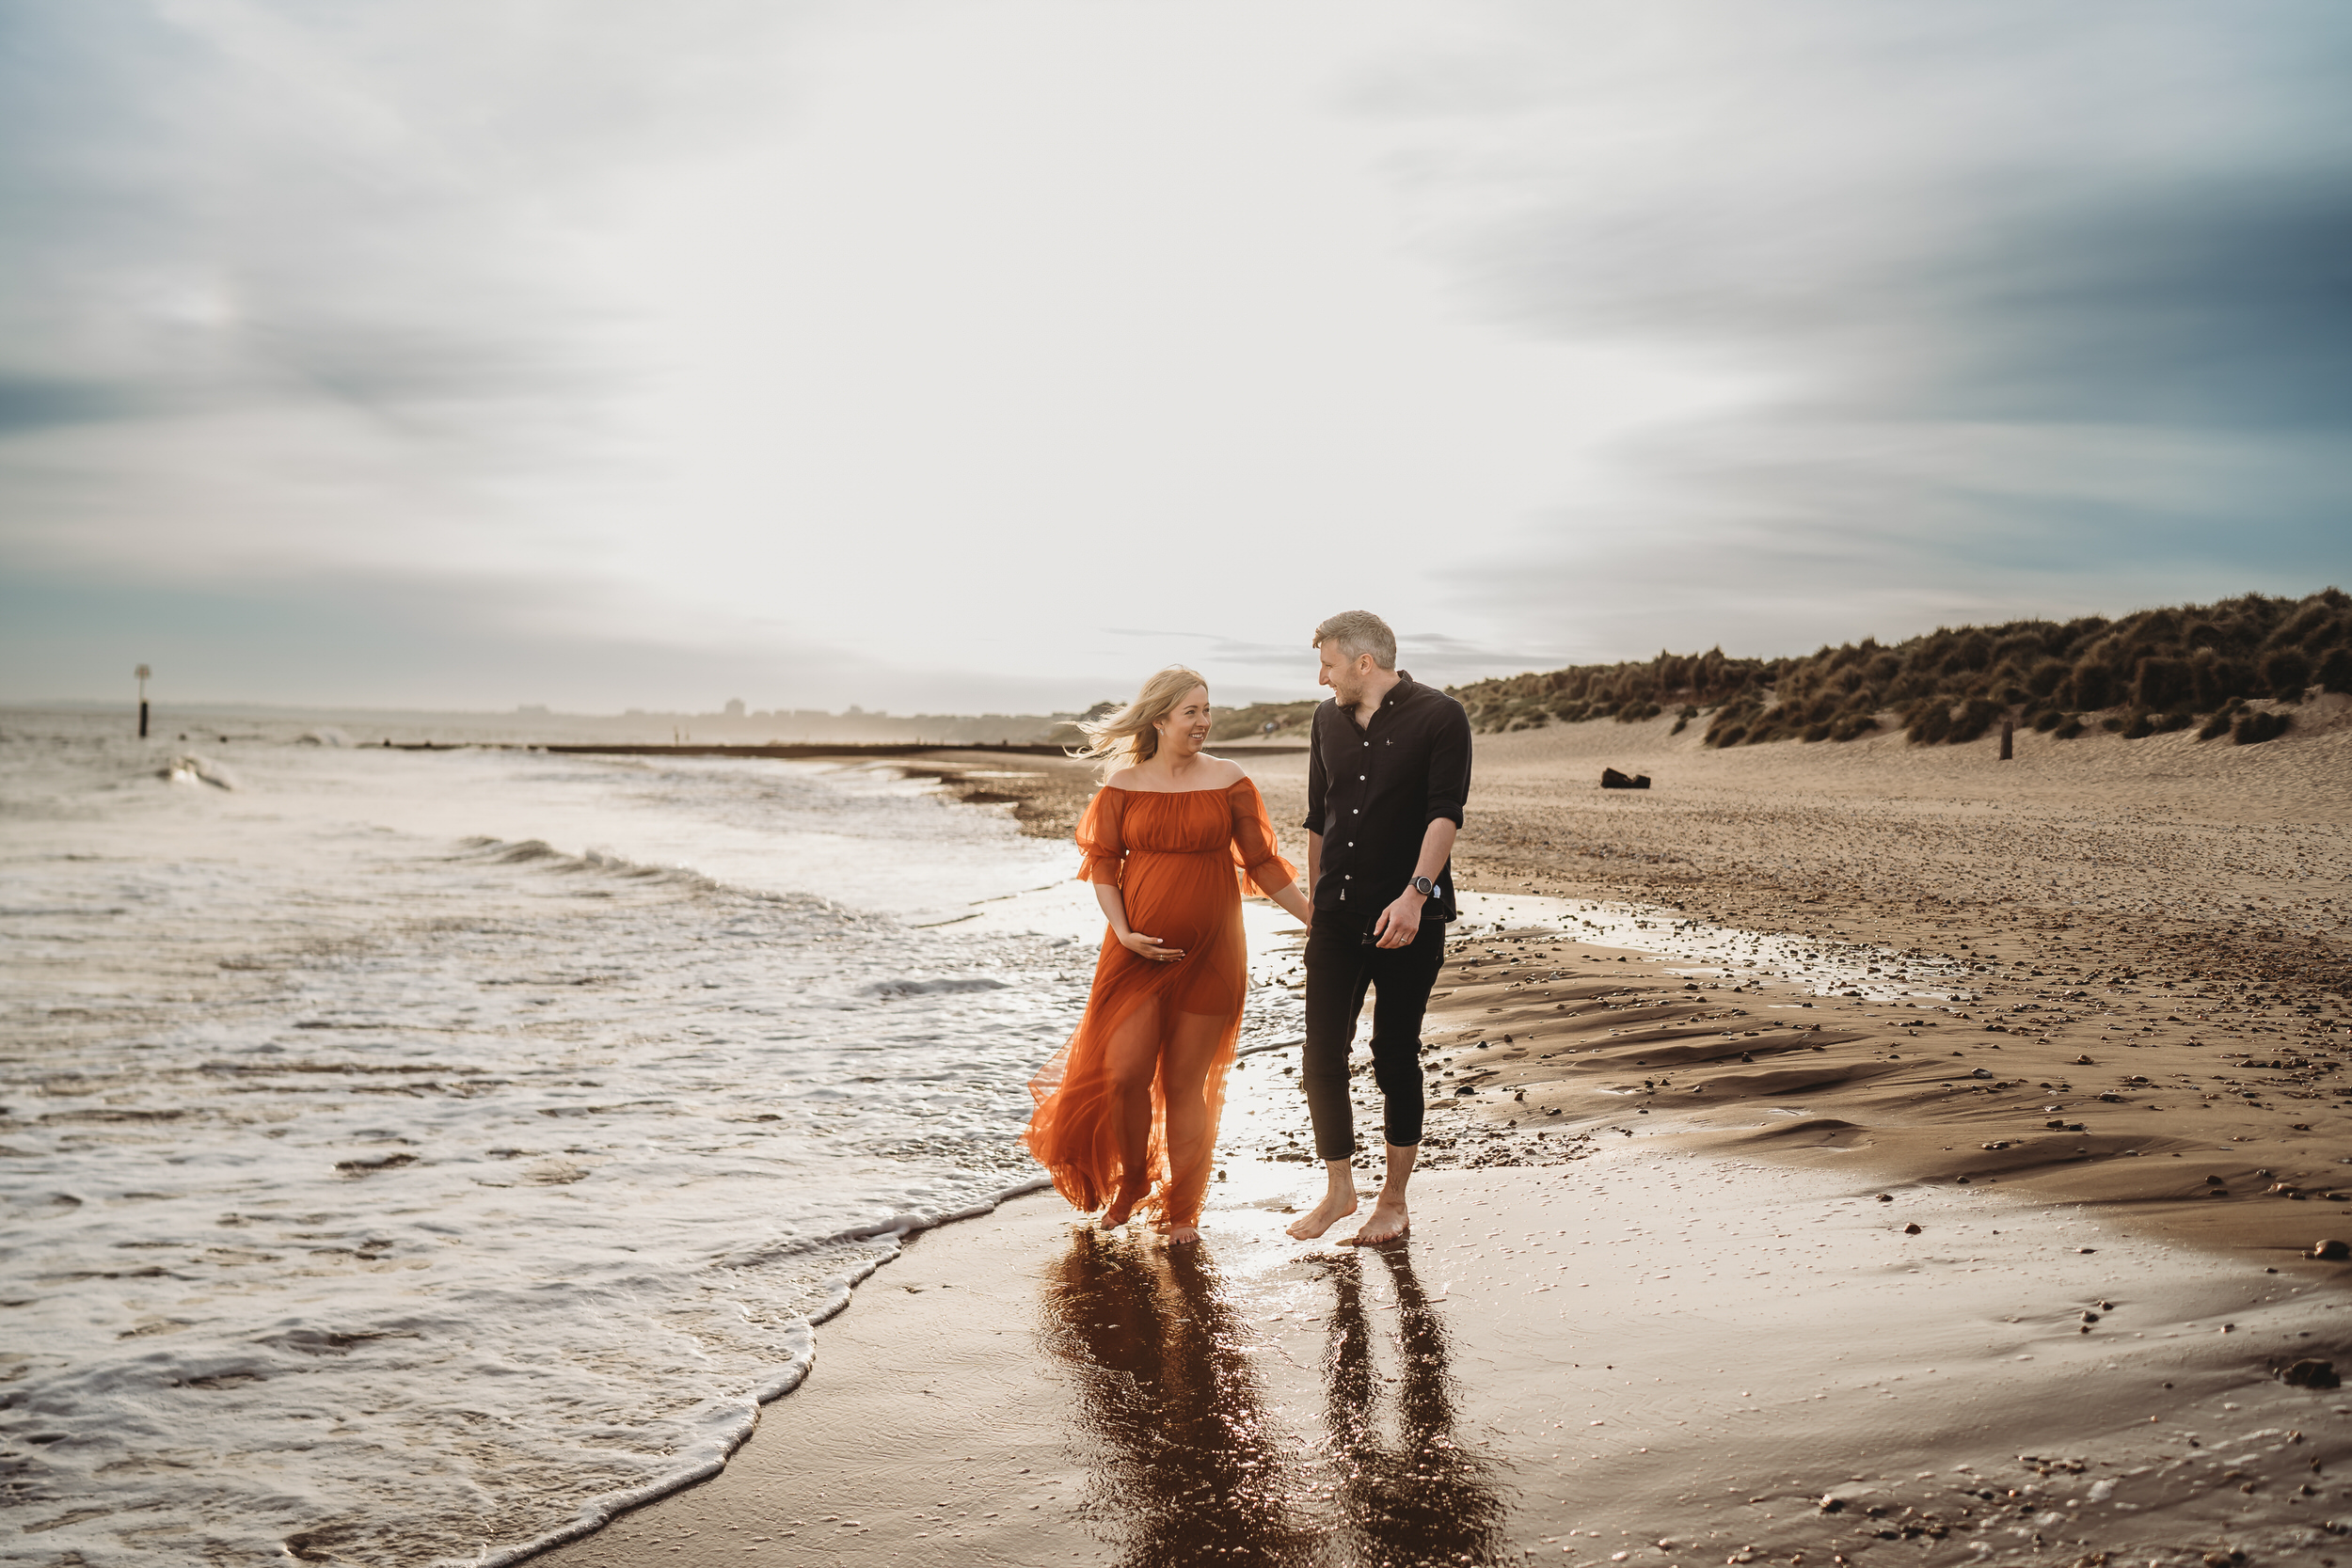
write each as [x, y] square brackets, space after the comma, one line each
[1423, 886]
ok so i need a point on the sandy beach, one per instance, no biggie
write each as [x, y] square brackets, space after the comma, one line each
[1996, 1257]
[1642, 1355]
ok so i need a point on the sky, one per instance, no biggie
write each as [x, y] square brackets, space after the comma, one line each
[987, 354]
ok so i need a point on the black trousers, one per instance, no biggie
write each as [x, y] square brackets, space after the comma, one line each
[1341, 967]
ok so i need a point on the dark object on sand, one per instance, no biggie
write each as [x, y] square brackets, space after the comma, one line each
[1611, 779]
[2008, 740]
[2330, 1252]
[2312, 1374]
[2252, 729]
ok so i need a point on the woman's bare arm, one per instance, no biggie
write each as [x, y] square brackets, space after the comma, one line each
[1115, 909]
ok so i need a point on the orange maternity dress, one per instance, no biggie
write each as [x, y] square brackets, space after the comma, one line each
[1173, 857]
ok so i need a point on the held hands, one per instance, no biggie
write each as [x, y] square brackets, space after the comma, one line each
[1400, 923]
[1148, 947]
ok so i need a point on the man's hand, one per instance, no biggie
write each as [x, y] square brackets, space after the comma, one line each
[1400, 923]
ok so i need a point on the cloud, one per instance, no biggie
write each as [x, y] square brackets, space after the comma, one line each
[913, 343]
[227, 202]
[2005, 311]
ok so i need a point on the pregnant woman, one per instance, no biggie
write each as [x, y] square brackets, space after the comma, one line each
[1126, 1112]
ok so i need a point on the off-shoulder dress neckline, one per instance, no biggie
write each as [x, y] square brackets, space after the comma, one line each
[1205, 789]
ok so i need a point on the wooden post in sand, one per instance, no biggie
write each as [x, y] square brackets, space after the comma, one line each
[2009, 738]
[142, 673]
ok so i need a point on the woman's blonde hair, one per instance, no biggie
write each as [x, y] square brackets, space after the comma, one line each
[1129, 737]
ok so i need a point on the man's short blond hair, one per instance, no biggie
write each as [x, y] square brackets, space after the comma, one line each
[1359, 632]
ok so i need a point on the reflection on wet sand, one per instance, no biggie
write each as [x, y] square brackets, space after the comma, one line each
[1415, 1494]
[1187, 1463]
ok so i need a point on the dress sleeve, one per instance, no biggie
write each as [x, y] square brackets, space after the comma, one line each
[1101, 839]
[1264, 869]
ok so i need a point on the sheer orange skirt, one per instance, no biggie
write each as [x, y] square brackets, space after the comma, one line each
[1187, 895]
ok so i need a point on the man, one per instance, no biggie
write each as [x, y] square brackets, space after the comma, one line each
[1386, 779]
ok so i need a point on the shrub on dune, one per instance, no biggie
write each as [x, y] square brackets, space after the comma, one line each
[2164, 667]
[2335, 670]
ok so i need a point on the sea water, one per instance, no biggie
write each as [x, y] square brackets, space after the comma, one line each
[407, 1156]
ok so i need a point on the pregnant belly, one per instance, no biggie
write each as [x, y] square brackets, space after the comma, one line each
[1185, 900]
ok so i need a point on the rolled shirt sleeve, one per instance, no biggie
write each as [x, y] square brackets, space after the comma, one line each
[1318, 781]
[1449, 767]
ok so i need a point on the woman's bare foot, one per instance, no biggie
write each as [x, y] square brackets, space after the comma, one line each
[1119, 1209]
[1334, 1208]
[1387, 1222]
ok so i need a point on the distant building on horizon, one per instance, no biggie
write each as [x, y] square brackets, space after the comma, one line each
[735, 707]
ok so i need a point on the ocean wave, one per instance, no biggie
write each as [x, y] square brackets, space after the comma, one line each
[934, 987]
[539, 852]
[535, 1168]
[725, 1424]
[188, 767]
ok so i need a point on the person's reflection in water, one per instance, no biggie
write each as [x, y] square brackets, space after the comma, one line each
[1421, 1497]
[1186, 1467]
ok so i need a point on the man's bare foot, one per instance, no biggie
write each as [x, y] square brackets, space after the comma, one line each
[1387, 1222]
[1322, 1217]
[1120, 1209]
[1179, 1234]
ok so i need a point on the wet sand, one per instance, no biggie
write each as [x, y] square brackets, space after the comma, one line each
[1641, 1355]
[2098, 1069]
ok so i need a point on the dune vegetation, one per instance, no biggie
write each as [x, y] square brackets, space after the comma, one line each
[2151, 672]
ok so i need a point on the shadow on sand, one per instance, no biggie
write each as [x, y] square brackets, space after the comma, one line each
[1189, 1463]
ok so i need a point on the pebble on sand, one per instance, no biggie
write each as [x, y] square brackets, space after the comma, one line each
[2310, 1373]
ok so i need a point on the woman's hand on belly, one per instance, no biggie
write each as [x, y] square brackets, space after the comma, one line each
[1149, 947]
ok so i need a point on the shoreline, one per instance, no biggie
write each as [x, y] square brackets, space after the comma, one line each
[713, 1455]
[1871, 1093]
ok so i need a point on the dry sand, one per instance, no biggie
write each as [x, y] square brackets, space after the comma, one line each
[1675, 1173]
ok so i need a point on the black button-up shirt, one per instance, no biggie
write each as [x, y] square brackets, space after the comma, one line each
[1372, 793]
